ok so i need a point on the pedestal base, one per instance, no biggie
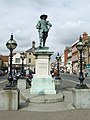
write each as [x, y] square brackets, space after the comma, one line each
[43, 86]
[81, 98]
[9, 99]
[21, 84]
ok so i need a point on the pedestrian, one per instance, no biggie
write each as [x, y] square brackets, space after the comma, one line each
[55, 73]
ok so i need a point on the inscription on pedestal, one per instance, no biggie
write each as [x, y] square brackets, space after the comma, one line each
[42, 62]
[42, 65]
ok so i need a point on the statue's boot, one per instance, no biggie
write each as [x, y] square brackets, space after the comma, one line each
[44, 45]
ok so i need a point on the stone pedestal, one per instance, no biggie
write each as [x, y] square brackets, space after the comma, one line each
[9, 99]
[81, 98]
[42, 57]
[42, 83]
[43, 86]
[21, 84]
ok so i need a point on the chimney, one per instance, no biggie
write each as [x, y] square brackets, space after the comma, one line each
[85, 36]
[33, 44]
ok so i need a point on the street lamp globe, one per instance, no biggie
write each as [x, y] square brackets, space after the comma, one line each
[58, 57]
[11, 44]
[80, 44]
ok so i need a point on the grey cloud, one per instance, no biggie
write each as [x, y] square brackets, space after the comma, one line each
[20, 17]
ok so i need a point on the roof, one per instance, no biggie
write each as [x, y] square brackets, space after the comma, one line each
[75, 43]
[4, 58]
[31, 49]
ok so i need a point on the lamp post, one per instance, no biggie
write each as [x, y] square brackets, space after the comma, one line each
[11, 45]
[58, 72]
[22, 57]
[80, 47]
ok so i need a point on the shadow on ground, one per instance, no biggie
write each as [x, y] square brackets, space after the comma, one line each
[23, 104]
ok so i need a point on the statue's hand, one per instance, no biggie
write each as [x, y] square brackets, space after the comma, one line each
[38, 27]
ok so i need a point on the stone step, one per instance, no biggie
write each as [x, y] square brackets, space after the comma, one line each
[47, 98]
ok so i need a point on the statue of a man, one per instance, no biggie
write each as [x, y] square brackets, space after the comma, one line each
[43, 27]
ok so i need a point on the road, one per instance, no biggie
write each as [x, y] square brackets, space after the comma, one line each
[73, 77]
[68, 81]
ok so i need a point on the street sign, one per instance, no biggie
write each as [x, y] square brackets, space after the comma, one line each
[88, 66]
[88, 69]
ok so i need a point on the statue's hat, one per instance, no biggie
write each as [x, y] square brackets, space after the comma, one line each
[43, 16]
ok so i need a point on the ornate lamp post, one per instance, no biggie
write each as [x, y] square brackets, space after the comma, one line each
[22, 57]
[11, 45]
[80, 47]
[58, 59]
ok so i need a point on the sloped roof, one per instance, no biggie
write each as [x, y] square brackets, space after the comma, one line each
[4, 58]
[31, 49]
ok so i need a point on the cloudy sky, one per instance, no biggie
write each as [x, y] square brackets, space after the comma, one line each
[69, 19]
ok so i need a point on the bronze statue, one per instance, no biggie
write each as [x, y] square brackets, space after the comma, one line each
[43, 27]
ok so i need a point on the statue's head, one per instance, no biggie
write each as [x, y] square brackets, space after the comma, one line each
[43, 16]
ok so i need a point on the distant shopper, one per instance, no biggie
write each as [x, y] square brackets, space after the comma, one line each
[29, 76]
[55, 73]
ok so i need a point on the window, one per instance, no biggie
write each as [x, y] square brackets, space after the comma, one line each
[29, 60]
[17, 60]
[29, 53]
